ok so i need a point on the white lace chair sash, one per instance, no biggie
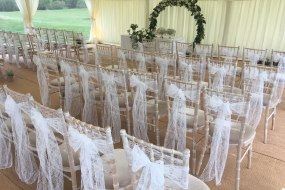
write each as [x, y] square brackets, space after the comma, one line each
[43, 83]
[188, 71]
[5, 145]
[51, 169]
[141, 62]
[111, 105]
[68, 85]
[139, 110]
[221, 136]
[26, 167]
[89, 113]
[176, 129]
[254, 57]
[153, 173]
[122, 63]
[91, 164]
[220, 74]
[229, 55]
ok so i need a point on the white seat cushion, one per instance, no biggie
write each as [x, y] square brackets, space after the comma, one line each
[123, 174]
[194, 184]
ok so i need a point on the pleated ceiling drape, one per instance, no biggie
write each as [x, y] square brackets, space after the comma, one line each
[28, 9]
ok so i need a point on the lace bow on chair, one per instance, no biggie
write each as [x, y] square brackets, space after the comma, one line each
[220, 74]
[188, 71]
[163, 70]
[92, 172]
[26, 167]
[176, 129]
[254, 58]
[89, 113]
[141, 62]
[43, 83]
[221, 136]
[153, 173]
[139, 110]
[68, 85]
[51, 168]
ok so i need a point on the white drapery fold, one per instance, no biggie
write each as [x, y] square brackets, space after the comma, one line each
[51, 168]
[140, 59]
[92, 173]
[26, 167]
[28, 9]
[93, 8]
[111, 105]
[89, 112]
[153, 173]
[221, 136]
[176, 129]
[139, 110]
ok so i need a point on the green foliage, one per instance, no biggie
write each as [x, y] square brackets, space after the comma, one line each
[81, 4]
[43, 4]
[8, 5]
[55, 5]
[9, 72]
[71, 3]
[139, 35]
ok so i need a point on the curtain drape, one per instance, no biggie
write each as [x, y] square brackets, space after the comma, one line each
[28, 9]
[93, 8]
[244, 23]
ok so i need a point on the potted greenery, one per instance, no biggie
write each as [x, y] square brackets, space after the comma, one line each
[10, 75]
[161, 31]
[171, 32]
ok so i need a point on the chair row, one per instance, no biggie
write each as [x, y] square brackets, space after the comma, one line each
[64, 146]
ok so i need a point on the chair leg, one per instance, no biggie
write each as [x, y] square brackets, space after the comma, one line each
[273, 119]
[249, 154]
[238, 162]
[157, 132]
[265, 126]
[194, 154]
[206, 141]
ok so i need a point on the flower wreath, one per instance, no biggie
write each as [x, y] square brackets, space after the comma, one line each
[149, 34]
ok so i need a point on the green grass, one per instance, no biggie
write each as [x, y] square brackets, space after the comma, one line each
[68, 19]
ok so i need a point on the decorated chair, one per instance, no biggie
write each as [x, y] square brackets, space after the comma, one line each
[165, 46]
[204, 51]
[229, 127]
[277, 58]
[254, 56]
[156, 167]
[228, 53]
[104, 55]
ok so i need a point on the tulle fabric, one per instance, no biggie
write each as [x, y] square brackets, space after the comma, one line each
[51, 168]
[176, 129]
[153, 173]
[163, 64]
[221, 136]
[26, 167]
[92, 173]
[220, 73]
[122, 60]
[139, 110]
[111, 105]
[140, 59]
[89, 113]
[43, 83]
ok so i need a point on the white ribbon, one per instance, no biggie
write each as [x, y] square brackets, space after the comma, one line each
[92, 173]
[51, 170]
[97, 57]
[89, 113]
[188, 71]
[152, 174]
[140, 106]
[221, 136]
[163, 70]
[254, 57]
[220, 73]
[43, 83]
[26, 167]
[122, 63]
[111, 105]
[5, 145]
[229, 55]
[141, 62]
[176, 129]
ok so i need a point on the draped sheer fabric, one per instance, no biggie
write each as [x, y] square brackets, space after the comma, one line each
[153, 173]
[221, 136]
[176, 129]
[163, 64]
[111, 104]
[5, 145]
[139, 110]
[26, 167]
[89, 112]
[43, 83]
[140, 59]
[51, 168]
[92, 171]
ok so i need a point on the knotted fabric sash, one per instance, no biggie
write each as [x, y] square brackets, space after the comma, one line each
[43, 83]
[153, 173]
[140, 106]
[140, 59]
[221, 136]
[26, 167]
[51, 169]
[92, 173]
[111, 105]
[188, 71]
[5, 145]
[67, 85]
[163, 64]
[176, 129]
[220, 74]
[89, 113]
